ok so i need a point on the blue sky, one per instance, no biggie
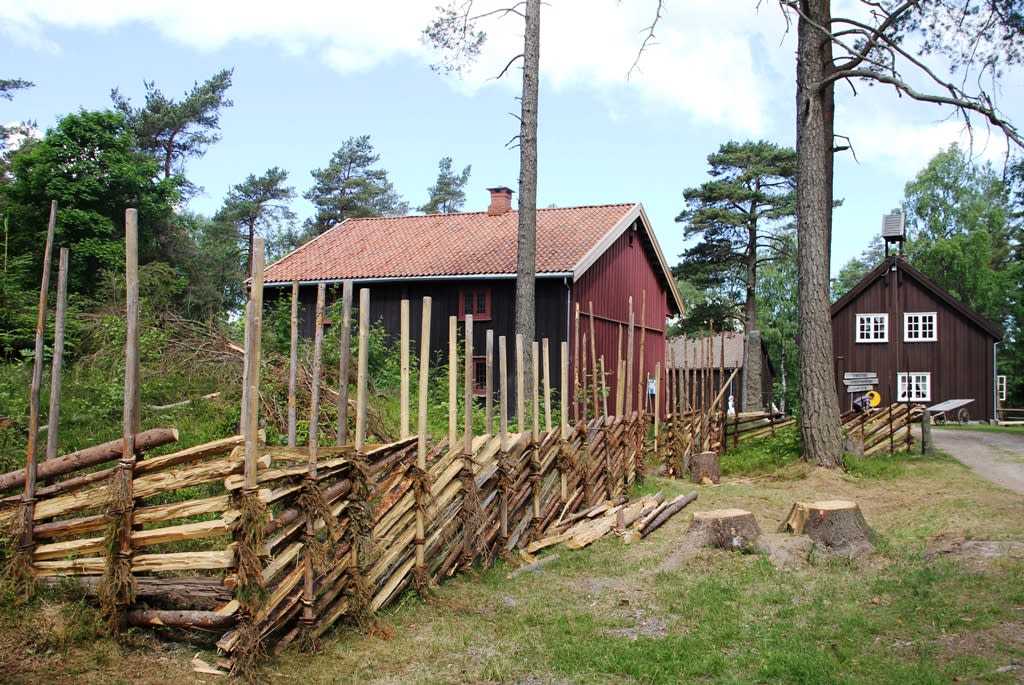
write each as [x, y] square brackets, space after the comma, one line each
[308, 75]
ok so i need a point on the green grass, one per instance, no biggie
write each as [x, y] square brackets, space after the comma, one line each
[763, 455]
[984, 427]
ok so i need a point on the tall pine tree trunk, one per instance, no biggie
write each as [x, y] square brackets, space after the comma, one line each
[819, 410]
[526, 262]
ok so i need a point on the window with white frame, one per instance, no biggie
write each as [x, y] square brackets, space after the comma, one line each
[1001, 387]
[872, 328]
[914, 387]
[920, 327]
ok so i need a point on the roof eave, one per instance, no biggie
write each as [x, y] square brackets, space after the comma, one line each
[635, 212]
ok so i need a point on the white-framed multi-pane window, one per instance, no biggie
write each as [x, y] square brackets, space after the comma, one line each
[872, 328]
[915, 386]
[920, 327]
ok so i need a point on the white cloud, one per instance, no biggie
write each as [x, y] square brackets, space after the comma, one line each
[701, 62]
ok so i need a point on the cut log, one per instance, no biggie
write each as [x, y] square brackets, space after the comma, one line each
[674, 507]
[90, 456]
[202, 620]
[732, 529]
[837, 524]
[704, 468]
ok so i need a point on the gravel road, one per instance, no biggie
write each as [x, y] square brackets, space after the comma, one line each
[997, 457]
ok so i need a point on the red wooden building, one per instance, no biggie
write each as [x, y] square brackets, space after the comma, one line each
[898, 333]
[602, 254]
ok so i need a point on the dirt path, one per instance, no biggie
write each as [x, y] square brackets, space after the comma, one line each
[996, 457]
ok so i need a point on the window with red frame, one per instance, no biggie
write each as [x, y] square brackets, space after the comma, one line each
[479, 375]
[475, 302]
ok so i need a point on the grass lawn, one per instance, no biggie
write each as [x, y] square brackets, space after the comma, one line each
[615, 613]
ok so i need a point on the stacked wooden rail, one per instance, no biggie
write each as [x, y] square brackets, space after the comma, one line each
[264, 545]
[476, 506]
[886, 429]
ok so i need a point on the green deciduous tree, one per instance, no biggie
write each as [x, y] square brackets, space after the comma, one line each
[174, 131]
[216, 272]
[349, 187]
[743, 216]
[964, 233]
[258, 204]
[448, 194]
[90, 164]
[959, 231]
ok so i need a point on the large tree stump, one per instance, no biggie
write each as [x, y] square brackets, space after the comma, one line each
[733, 529]
[704, 468]
[836, 524]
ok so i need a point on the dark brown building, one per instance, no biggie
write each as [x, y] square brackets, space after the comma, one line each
[898, 333]
[466, 263]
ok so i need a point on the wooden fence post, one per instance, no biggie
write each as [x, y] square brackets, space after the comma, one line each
[293, 367]
[53, 418]
[547, 385]
[489, 381]
[503, 372]
[345, 355]
[318, 351]
[535, 389]
[467, 397]
[404, 372]
[421, 445]
[364, 353]
[252, 364]
[453, 380]
[520, 385]
[310, 484]
[630, 390]
[593, 361]
[20, 566]
[576, 367]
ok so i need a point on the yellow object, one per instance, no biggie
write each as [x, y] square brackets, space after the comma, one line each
[874, 399]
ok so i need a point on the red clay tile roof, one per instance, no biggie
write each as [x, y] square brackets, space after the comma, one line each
[449, 245]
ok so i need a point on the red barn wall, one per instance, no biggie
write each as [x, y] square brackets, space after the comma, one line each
[625, 270]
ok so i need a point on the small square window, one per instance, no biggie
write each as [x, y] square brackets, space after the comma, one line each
[479, 375]
[920, 327]
[872, 328]
[475, 303]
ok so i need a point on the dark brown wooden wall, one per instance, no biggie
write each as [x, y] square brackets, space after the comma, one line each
[385, 309]
[960, 361]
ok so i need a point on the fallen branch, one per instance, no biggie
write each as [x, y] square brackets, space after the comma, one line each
[162, 407]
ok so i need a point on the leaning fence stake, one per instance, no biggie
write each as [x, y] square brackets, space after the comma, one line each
[53, 418]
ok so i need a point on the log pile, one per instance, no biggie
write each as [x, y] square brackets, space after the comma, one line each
[629, 519]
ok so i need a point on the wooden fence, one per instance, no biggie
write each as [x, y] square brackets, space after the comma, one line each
[266, 545]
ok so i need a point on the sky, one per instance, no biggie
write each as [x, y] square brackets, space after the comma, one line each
[310, 74]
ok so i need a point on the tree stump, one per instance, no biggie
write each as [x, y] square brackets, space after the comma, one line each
[836, 524]
[704, 468]
[732, 529]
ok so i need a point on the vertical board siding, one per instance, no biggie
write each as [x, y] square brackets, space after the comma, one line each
[960, 361]
[626, 269]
